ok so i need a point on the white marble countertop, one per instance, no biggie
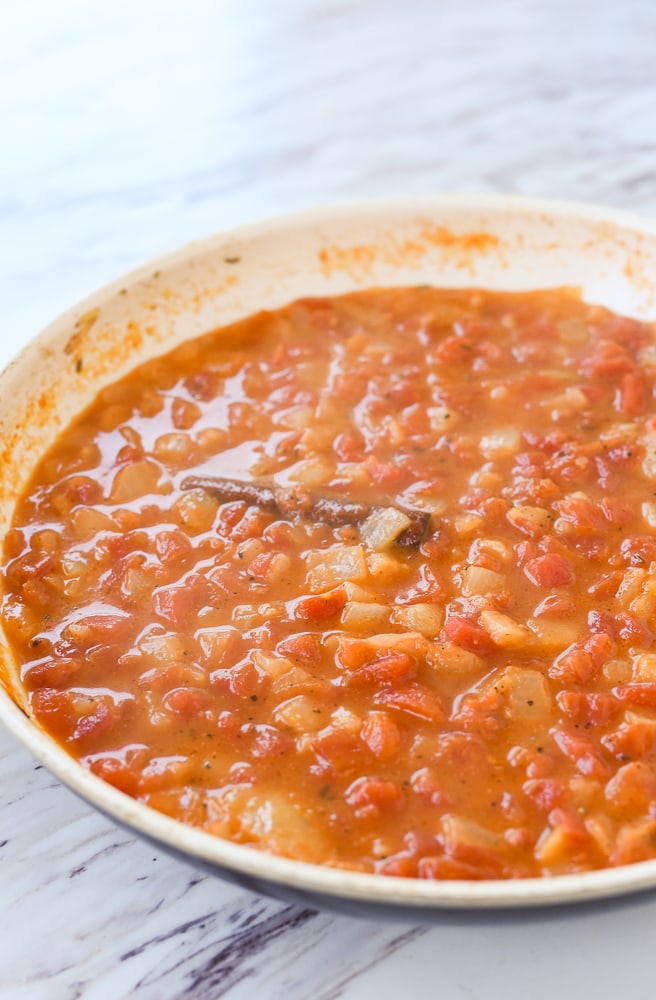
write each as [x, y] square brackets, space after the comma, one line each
[130, 127]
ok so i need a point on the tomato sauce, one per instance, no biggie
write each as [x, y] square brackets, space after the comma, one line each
[368, 581]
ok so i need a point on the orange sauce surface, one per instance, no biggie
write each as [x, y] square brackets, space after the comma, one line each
[421, 641]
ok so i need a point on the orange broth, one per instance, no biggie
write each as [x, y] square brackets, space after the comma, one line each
[476, 700]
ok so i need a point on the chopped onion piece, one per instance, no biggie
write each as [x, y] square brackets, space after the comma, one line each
[383, 527]
[425, 618]
[503, 629]
[500, 444]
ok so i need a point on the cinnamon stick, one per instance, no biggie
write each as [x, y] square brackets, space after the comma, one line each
[297, 502]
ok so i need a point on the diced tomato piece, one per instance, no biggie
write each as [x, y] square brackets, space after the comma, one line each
[623, 625]
[279, 535]
[607, 476]
[468, 635]
[349, 446]
[405, 391]
[381, 734]
[202, 385]
[187, 701]
[539, 763]
[580, 662]
[304, 647]
[489, 354]
[642, 694]
[436, 546]
[369, 797]
[549, 442]
[447, 868]
[38, 594]
[32, 565]
[415, 420]
[228, 722]
[582, 512]
[251, 525]
[230, 514]
[573, 839]
[89, 630]
[493, 509]
[174, 604]
[415, 699]
[631, 629]
[242, 773]
[630, 333]
[320, 607]
[631, 740]
[606, 360]
[425, 586]
[349, 387]
[639, 550]
[54, 709]
[573, 468]
[270, 742]
[606, 586]
[539, 492]
[486, 858]
[602, 622]
[525, 552]
[427, 783]
[75, 491]
[52, 672]
[261, 565]
[545, 792]
[555, 607]
[243, 679]
[583, 752]
[287, 444]
[96, 723]
[592, 709]
[454, 351]
[632, 395]
[616, 511]
[117, 773]
[353, 653]
[635, 842]
[633, 789]
[120, 544]
[550, 571]
[129, 453]
[180, 604]
[172, 546]
[14, 543]
[480, 713]
[389, 668]
[622, 457]
[529, 463]
[464, 753]
[184, 414]
[401, 865]
[337, 749]
[384, 473]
